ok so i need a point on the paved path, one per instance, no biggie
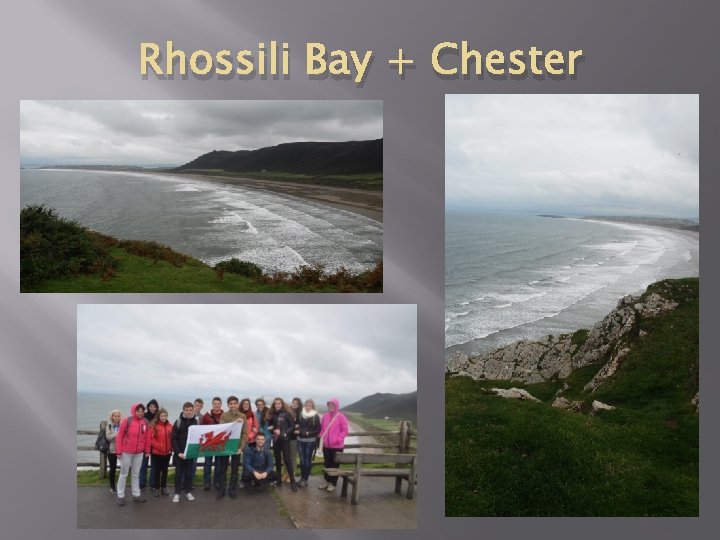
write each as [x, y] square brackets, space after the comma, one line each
[278, 508]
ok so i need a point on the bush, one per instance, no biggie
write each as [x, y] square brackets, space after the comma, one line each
[51, 246]
[243, 268]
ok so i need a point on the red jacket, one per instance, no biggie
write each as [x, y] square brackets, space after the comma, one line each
[134, 435]
[161, 444]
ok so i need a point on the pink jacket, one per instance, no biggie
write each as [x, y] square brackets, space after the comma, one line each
[334, 436]
[134, 438]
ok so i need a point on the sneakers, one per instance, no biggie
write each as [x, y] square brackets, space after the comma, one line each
[176, 498]
[293, 486]
[165, 491]
[206, 487]
[121, 501]
[189, 497]
[323, 485]
[156, 492]
[139, 499]
[330, 487]
[112, 490]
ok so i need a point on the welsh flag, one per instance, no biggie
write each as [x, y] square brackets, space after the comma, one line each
[213, 440]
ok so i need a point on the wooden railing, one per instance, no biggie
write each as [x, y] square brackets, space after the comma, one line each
[405, 434]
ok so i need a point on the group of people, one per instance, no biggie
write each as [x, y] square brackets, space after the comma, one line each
[271, 436]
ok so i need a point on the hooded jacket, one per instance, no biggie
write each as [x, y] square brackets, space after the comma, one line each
[179, 434]
[134, 434]
[161, 443]
[148, 415]
[333, 436]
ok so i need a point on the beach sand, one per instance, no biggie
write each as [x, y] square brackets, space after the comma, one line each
[364, 202]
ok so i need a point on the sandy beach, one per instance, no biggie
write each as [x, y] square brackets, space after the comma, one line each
[364, 202]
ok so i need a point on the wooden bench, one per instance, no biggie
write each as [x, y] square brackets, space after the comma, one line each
[354, 475]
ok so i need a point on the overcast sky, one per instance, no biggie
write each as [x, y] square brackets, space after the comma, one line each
[573, 154]
[312, 351]
[175, 132]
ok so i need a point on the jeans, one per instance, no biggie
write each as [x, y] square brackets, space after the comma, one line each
[183, 480]
[112, 461]
[129, 463]
[330, 463]
[207, 471]
[143, 472]
[281, 449]
[306, 449]
[221, 465]
[158, 477]
[248, 478]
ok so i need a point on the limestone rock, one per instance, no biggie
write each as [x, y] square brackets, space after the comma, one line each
[557, 356]
[564, 403]
[696, 401]
[512, 393]
[598, 406]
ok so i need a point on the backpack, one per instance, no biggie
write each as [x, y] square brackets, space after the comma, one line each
[101, 443]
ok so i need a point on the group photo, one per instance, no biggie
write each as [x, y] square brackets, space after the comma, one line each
[223, 409]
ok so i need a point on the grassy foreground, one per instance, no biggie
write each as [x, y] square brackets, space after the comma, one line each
[59, 255]
[518, 458]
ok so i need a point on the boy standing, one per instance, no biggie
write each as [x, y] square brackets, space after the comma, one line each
[212, 417]
[232, 415]
[179, 435]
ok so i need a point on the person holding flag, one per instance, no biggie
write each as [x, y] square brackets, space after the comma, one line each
[233, 414]
[183, 466]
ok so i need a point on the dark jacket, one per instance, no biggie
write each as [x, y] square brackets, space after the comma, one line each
[283, 421]
[179, 433]
[309, 427]
[257, 460]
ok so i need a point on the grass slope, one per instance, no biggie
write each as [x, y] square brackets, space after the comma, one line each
[59, 255]
[513, 458]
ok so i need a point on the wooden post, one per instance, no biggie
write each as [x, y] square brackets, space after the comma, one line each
[411, 478]
[356, 485]
[103, 457]
[404, 437]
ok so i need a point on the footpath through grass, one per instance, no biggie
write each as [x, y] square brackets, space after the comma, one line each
[517, 458]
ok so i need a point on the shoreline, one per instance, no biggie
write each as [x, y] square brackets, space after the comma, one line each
[358, 201]
[548, 325]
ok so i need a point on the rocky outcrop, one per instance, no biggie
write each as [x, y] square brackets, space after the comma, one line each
[598, 406]
[564, 403]
[557, 356]
[511, 393]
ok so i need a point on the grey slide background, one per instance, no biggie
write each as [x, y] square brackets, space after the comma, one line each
[88, 49]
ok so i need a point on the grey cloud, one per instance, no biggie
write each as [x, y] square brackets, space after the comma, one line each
[175, 132]
[316, 350]
[574, 153]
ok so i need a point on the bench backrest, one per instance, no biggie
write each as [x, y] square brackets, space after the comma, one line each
[375, 458]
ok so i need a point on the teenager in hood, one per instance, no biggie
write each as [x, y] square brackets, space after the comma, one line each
[151, 413]
[308, 431]
[132, 444]
[333, 430]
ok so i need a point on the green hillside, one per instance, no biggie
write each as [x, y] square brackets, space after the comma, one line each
[519, 458]
[59, 255]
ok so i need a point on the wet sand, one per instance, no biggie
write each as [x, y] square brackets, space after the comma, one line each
[364, 202]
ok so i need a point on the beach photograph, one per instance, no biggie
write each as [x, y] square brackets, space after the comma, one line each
[572, 305]
[201, 196]
[246, 416]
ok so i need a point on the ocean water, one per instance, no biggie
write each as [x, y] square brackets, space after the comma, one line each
[211, 222]
[511, 277]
